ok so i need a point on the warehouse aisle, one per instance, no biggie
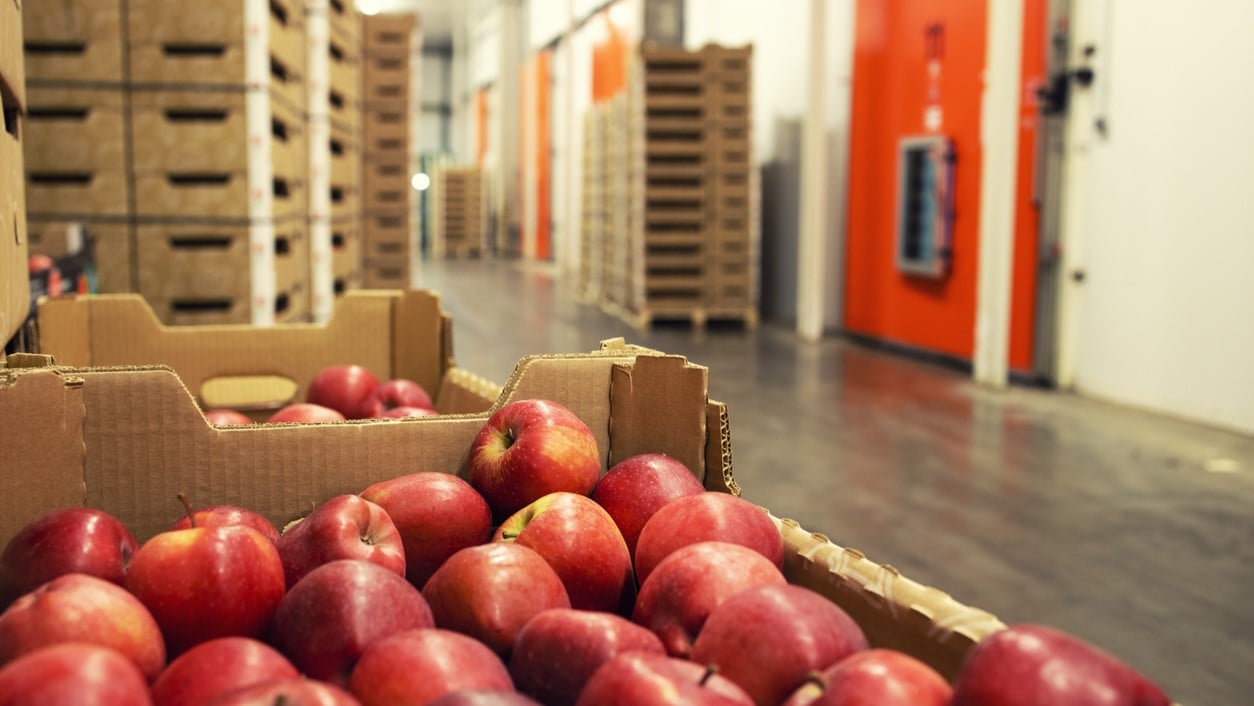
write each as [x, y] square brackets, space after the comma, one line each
[1126, 528]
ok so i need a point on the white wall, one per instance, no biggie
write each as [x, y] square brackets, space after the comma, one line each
[1165, 316]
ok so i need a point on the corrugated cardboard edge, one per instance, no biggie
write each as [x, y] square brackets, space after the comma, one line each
[42, 450]
[894, 611]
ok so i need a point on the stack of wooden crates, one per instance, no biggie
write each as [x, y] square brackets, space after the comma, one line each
[459, 212]
[175, 131]
[391, 50]
[680, 234]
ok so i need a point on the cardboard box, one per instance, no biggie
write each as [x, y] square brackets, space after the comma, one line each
[71, 40]
[345, 68]
[346, 255]
[396, 334]
[74, 130]
[208, 131]
[343, 18]
[392, 33]
[14, 280]
[81, 194]
[386, 80]
[184, 193]
[388, 196]
[345, 200]
[387, 273]
[382, 123]
[208, 261]
[91, 438]
[387, 235]
[346, 160]
[213, 67]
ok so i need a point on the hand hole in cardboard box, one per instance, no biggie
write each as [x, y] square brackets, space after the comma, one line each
[247, 392]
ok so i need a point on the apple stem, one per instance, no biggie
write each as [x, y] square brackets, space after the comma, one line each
[280, 700]
[509, 536]
[710, 671]
[509, 438]
[187, 505]
[816, 678]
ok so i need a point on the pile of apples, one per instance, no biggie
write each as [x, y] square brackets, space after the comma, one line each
[530, 578]
[341, 392]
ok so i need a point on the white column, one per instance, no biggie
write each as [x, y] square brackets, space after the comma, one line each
[815, 185]
[999, 133]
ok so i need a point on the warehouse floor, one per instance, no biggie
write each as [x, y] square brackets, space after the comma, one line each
[1132, 530]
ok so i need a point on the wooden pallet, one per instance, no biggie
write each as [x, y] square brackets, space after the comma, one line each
[699, 317]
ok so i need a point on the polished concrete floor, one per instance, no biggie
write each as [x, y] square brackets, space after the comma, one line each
[1130, 529]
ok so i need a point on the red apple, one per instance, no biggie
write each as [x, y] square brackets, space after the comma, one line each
[328, 619]
[208, 582]
[437, 514]
[690, 583]
[288, 692]
[226, 418]
[491, 590]
[401, 393]
[483, 697]
[710, 516]
[39, 262]
[303, 412]
[225, 516]
[875, 677]
[581, 542]
[73, 674]
[558, 650]
[69, 540]
[217, 667]
[404, 412]
[768, 638]
[418, 666]
[639, 486]
[344, 527]
[646, 679]
[1034, 665]
[528, 449]
[347, 389]
[82, 608]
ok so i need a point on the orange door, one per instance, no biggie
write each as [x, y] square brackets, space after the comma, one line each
[917, 71]
[542, 136]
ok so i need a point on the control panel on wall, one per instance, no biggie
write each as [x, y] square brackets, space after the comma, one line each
[925, 169]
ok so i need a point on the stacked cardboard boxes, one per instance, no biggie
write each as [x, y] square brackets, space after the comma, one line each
[686, 243]
[14, 290]
[391, 52]
[174, 130]
[460, 212]
[334, 150]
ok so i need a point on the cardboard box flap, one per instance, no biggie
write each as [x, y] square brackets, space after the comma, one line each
[41, 434]
[391, 333]
[718, 451]
[647, 414]
[894, 611]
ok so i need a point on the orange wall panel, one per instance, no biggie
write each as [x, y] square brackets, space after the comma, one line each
[893, 85]
[890, 89]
